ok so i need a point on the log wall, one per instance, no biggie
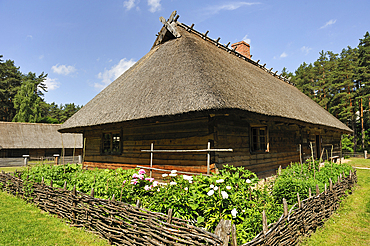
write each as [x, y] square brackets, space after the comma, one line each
[184, 134]
[222, 130]
[233, 132]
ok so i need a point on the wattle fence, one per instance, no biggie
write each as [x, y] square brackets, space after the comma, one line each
[124, 224]
[120, 223]
[307, 215]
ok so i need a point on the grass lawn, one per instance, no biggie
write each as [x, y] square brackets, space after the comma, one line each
[25, 224]
[350, 224]
[11, 169]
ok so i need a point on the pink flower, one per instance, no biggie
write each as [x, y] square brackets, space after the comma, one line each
[150, 179]
[155, 183]
[140, 176]
[147, 187]
[135, 176]
[141, 171]
[134, 181]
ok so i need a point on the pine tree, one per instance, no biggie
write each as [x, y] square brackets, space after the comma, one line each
[304, 81]
[343, 86]
[363, 78]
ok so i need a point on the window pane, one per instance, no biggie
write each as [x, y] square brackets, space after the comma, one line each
[115, 143]
[259, 139]
[106, 142]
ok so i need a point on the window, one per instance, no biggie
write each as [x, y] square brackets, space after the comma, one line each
[259, 141]
[111, 143]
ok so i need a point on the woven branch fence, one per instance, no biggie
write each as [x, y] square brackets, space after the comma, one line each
[120, 223]
[124, 224]
[305, 216]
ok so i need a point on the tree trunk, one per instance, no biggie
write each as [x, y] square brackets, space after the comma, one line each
[362, 126]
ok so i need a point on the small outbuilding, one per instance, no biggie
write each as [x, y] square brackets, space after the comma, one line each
[37, 140]
[190, 90]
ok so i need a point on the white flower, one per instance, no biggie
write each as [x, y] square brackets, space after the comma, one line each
[234, 212]
[210, 193]
[190, 181]
[172, 174]
[155, 183]
[211, 186]
[243, 211]
[147, 187]
[187, 177]
[224, 195]
[186, 188]
[248, 181]
[220, 181]
[174, 171]
[164, 175]
[173, 183]
[158, 190]
[228, 187]
[215, 188]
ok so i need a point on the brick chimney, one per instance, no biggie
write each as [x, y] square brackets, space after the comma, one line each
[242, 48]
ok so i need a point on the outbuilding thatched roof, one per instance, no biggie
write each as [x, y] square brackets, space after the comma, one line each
[18, 135]
[193, 73]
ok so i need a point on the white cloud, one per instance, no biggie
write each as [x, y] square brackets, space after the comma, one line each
[246, 39]
[129, 4]
[51, 84]
[229, 6]
[109, 75]
[29, 36]
[305, 49]
[283, 55]
[63, 69]
[155, 5]
[329, 23]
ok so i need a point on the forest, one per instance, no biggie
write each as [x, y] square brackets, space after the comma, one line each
[22, 97]
[340, 83]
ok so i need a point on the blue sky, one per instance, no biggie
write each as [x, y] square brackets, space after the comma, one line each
[84, 45]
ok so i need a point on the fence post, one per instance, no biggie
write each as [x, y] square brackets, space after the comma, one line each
[233, 234]
[223, 231]
[56, 156]
[285, 204]
[208, 158]
[299, 201]
[365, 154]
[25, 160]
[169, 216]
[79, 159]
[151, 158]
[264, 222]
[74, 204]
[317, 190]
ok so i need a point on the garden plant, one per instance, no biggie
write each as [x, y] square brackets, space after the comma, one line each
[233, 194]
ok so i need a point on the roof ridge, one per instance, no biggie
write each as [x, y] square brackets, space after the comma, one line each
[234, 52]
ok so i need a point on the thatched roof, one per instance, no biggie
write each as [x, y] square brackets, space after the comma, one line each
[17, 135]
[193, 73]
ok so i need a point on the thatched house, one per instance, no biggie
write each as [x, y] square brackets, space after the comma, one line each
[190, 89]
[36, 140]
